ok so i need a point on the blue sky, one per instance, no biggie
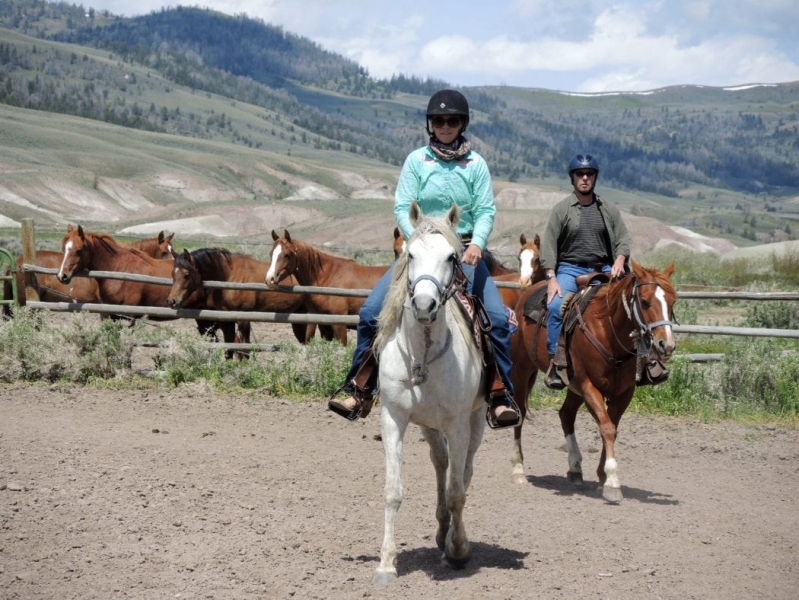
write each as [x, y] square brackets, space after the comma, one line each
[631, 45]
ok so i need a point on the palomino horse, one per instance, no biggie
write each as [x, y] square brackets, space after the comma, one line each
[217, 264]
[80, 289]
[86, 251]
[312, 267]
[627, 322]
[430, 374]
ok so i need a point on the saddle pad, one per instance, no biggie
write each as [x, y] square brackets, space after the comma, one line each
[536, 303]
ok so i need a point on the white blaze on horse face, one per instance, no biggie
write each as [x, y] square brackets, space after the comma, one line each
[271, 273]
[68, 249]
[661, 296]
[526, 261]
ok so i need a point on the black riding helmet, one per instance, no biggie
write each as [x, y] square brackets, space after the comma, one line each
[446, 103]
[583, 161]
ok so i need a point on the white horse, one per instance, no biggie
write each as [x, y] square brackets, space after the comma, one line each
[430, 374]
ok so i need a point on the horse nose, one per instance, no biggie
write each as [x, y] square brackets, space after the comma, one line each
[63, 277]
[666, 346]
[425, 309]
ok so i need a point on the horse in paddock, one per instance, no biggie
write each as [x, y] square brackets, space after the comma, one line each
[191, 269]
[530, 271]
[80, 289]
[312, 267]
[86, 251]
[618, 329]
[430, 374]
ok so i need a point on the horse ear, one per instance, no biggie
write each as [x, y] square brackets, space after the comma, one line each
[80, 232]
[168, 236]
[396, 232]
[287, 235]
[537, 240]
[415, 213]
[637, 268]
[669, 270]
[522, 239]
[453, 215]
[275, 236]
[161, 237]
[70, 228]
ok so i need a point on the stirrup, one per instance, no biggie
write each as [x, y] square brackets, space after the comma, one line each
[508, 421]
[552, 378]
[364, 401]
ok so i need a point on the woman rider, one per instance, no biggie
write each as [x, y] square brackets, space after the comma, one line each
[446, 170]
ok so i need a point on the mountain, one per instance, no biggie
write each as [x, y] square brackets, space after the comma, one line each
[192, 111]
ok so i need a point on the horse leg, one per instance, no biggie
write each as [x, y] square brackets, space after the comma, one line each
[568, 415]
[457, 549]
[522, 393]
[477, 423]
[393, 431]
[242, 336]
[440, 459]
[608, 469]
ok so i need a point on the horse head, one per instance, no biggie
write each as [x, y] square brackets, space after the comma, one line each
[652, 308]
[165, 249]
[76, 253]
[433, 255]
[529, 261]
[283, 259]
[186, 279]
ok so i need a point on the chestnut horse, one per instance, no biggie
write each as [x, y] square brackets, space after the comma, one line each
[86, 251]
[625, 323]
[191, 269]
[80, 289]
[312, 267]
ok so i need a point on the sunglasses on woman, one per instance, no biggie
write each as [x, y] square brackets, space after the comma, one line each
[439, 122]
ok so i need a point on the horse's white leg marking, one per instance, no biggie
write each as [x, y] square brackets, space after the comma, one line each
[575, 458]
[68, 249]
[526, 259]
[457, 546]
[612, 473]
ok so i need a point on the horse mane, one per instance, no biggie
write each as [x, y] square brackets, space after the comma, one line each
[309, 257]
[391, 315]
[108, 242]
[208, 260]
[492, 262]
[615, 293]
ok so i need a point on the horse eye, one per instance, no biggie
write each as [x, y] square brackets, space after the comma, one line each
[646, 304]
[453, 257]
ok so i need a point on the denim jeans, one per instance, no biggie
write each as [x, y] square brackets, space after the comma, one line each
[567, 274]
[479, 283]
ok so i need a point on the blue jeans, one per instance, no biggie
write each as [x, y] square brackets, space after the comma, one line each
[567, 274]
[479, 283]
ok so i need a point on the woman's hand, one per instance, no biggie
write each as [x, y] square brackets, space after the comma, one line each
[472, 255]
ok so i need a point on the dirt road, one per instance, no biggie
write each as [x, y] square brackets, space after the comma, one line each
[184, 494]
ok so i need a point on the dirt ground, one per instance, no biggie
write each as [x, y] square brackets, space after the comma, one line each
[181, 493]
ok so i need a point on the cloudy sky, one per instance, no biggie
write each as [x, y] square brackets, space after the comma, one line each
[569, 45]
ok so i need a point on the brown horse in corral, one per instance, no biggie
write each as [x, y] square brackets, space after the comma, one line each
[86, 251]
[530, 271]
[191, 269]
[312, 267]
[627, 323]
[80, 289]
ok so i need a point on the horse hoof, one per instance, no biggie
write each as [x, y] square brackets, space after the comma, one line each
[612, 495]
[455, 563]
[519, 478]
[574, 477]
[384, 578]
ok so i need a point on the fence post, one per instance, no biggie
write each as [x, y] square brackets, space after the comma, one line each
[29, 258]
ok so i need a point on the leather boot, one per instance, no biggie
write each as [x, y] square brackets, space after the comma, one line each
[502, 410]
[552, 379]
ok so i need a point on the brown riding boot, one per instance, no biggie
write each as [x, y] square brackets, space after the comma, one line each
[502, 410]
[552, 378]
[359, 404]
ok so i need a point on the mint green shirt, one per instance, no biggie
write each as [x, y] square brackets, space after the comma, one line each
[435, 184]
